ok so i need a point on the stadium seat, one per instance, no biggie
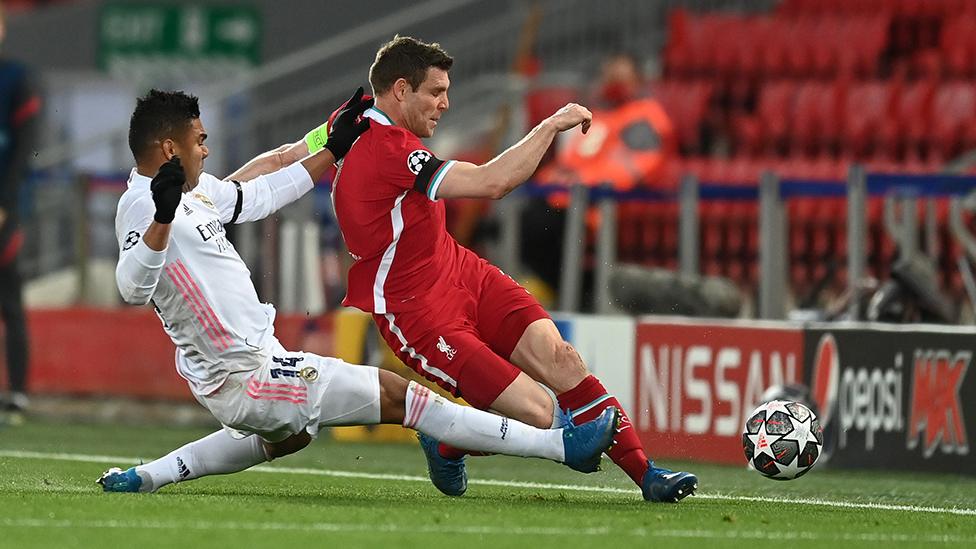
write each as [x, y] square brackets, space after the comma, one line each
[911, 118]
[815, 117]
[691, 48]
[866, 107]
[775, 104]
[686, 103]
[758, 33]
[953, 111]
[815, 86]
[927, 64]
[958, 44]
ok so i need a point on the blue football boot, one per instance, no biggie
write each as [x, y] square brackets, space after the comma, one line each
[448, 475]
[584, 444]
[664, 485]
[117, 480]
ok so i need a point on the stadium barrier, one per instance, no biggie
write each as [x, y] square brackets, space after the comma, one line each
[894, 397]
[85, 352]
[890, 396]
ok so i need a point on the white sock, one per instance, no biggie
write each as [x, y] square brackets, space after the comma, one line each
[472, 429]
[215, 454]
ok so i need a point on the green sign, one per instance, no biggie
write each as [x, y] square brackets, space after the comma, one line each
[133, 31]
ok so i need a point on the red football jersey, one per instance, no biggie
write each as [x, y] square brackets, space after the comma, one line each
[385, 201]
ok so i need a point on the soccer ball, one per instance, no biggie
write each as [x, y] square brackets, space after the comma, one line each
[782, 439]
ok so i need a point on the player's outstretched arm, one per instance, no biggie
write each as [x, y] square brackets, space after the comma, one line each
[265, 194]
[336, 139]
[511, 168]
[270, 161]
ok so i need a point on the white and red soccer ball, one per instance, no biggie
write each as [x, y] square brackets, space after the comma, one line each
[782, 439]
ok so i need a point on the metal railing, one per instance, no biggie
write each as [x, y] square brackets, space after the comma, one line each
[901, 195]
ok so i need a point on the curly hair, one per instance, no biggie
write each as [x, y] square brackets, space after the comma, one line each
[160, 115]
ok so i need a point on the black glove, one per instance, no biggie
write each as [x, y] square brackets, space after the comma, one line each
[167, 189]
[345, 128]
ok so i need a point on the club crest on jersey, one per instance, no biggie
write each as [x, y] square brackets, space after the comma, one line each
[309, 374]
[205, 199]
[443, 347]
[417, 159]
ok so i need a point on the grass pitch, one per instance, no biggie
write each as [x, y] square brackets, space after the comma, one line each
[376, 495]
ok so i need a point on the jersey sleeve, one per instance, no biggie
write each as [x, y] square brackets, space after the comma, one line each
[408, 164]
[139, 267]
[243, 201]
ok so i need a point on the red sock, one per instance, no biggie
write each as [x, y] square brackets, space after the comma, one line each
[588, 400]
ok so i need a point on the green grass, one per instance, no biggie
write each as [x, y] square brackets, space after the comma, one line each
[53, 502]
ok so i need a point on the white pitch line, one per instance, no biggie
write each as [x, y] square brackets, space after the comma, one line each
[115, 460]
[479, 530]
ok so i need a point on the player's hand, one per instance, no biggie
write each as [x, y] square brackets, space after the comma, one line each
[167, 189]
[570, 116]
[348, 125]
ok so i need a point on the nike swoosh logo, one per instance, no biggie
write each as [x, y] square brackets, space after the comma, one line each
[670, 476]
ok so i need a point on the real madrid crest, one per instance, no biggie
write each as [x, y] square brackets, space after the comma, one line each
[205, 199]
[309, 374]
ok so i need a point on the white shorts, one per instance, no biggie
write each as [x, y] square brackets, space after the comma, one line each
[295, 392]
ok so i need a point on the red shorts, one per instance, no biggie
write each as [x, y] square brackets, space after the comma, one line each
[465, 341]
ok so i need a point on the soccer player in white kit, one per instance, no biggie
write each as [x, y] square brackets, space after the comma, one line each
[271, 401]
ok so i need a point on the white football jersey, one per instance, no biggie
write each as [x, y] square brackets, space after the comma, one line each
[200, 287]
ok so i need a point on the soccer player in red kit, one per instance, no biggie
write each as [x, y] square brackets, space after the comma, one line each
[447, 313]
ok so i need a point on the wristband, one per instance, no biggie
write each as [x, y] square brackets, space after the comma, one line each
[317, 138]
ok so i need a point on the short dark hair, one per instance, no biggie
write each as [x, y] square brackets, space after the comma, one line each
[409, 58]
[160, 115]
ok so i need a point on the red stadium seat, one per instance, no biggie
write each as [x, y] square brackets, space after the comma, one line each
[958, 46]
[911, 118]
[758, 34]
[868, 39]
[953, 111]
[686, 103]
[815, 117]
[775, 104]
[774, 52]
[803, 35]
[866, 107]
[691, 49]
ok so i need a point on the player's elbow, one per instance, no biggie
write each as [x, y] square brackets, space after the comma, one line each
[131, 292]
[498, 189]
[134, 295]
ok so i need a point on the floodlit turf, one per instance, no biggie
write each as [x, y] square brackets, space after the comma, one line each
[328, 495]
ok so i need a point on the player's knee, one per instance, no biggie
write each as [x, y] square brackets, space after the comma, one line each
[538, 414]
[288, 446]
[393, 397]
[566, 368]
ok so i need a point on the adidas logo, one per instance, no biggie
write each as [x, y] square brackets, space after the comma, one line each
[182, 468]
